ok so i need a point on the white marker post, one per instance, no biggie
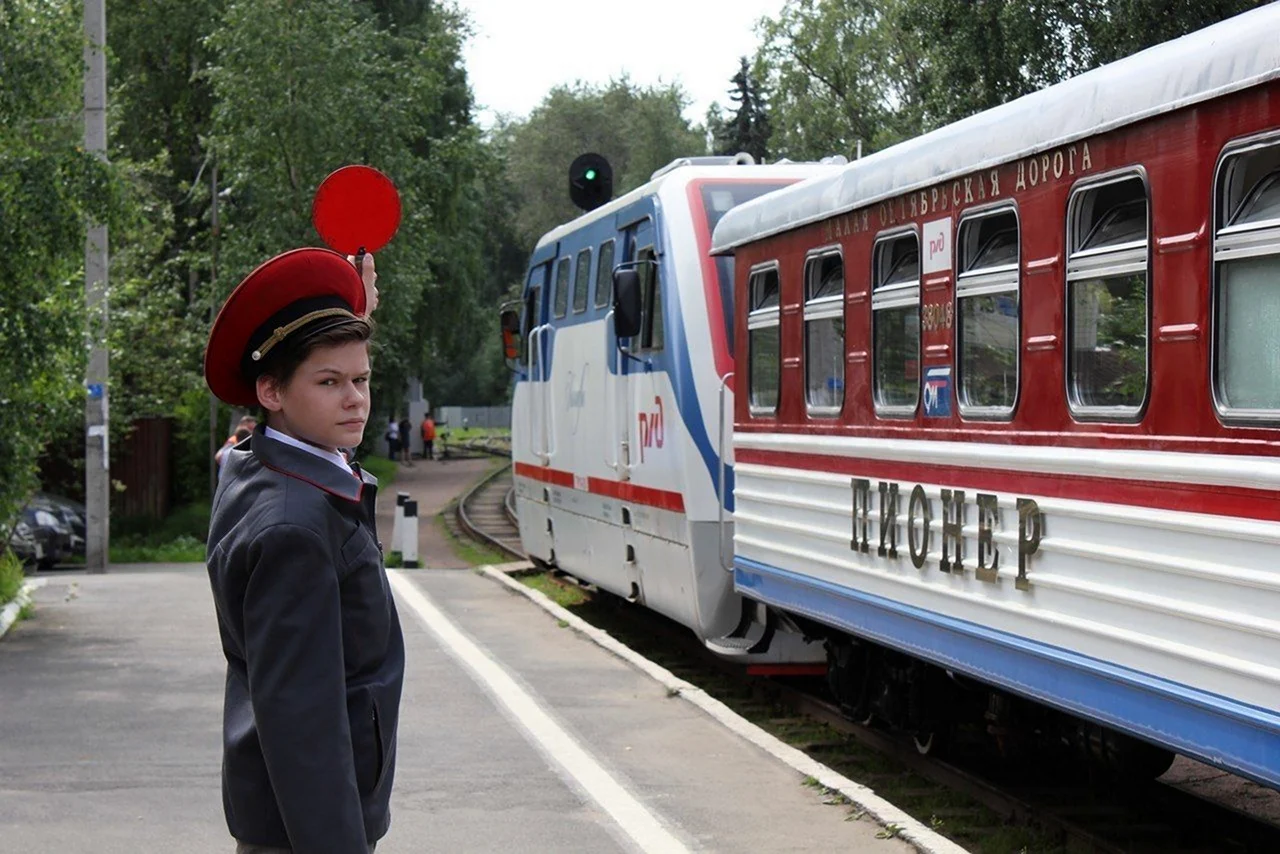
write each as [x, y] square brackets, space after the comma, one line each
[409, 536]
[397, 526]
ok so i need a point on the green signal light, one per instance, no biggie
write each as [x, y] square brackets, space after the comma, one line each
[590, 175]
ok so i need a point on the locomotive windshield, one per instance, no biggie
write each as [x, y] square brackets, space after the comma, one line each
[717, 199]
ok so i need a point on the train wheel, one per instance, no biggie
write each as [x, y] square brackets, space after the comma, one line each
[849, 678]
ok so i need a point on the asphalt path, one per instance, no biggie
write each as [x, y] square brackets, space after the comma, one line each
[110, 705]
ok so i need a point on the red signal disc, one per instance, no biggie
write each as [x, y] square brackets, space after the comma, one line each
[356, 206]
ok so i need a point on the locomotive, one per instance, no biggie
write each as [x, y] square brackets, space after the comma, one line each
[620, 425]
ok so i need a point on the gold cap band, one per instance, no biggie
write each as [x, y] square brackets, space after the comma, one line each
[283, 332]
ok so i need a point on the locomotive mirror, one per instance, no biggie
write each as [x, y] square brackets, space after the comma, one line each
[626, 302]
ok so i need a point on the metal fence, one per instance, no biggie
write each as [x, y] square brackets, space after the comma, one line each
[457, 417]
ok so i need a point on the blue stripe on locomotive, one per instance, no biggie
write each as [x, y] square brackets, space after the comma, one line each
[674, 359]
[1210, 727]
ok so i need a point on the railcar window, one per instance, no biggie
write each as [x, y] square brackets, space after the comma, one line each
[581, 281]
[1247, 285]
[764, 355]
[604, 275]
[824, 334]
[562, 288]
[895, 313]
[987, 297]
[1107, 284]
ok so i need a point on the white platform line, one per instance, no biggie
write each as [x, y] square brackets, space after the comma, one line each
[631, 815]
[912, 830]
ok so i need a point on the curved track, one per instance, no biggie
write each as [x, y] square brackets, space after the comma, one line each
[486, 512]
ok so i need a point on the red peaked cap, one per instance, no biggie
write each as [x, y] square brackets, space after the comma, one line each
[279, 292]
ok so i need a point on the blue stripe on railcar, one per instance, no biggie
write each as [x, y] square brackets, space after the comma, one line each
[1215, 729]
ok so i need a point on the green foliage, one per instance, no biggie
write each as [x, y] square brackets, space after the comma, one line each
[748, 128]
[880, 71]
[11, 577]
[380, 467]
[48, 188]
[190, 521]
[178, 550]
[1117, 28]
[829, 70]
[637, 129]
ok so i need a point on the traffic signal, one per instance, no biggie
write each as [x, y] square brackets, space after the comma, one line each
[590, 181]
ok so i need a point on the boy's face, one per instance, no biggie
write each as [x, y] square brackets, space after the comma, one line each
[326, 402]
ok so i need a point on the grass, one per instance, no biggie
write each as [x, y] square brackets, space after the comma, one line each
[11, 577]
[466, 434]
[177, 538]
[380, 467]
[191, 520]
[470, 553]
[182, 549]
[564, 595]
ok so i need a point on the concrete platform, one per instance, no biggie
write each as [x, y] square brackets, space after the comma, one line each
[110, 703]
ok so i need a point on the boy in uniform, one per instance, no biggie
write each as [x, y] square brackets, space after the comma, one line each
[315, 656]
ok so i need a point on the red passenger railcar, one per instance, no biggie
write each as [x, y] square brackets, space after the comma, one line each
[1008, 406]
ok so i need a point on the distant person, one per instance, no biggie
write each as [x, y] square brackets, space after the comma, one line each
[248, 423]
[393, 439]
[428, 437]
[406, 449]
[239, 436]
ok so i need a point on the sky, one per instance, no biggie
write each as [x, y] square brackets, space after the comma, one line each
[523, 48]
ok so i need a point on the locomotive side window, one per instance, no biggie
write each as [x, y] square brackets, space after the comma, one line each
[895, 324]
[764, 355]
[987, 305]
[824, 333]
[581, 281]
[1246, 254]
[562, 288]
[604, 275]
[1107, 299]
[651, 324]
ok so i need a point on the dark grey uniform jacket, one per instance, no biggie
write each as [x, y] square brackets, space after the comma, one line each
[315, 657]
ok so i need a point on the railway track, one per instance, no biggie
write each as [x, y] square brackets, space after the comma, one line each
[982, 801]
[486, 513]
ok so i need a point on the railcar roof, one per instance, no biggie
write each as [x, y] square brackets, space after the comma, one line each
[683, 175]
[1229, 56]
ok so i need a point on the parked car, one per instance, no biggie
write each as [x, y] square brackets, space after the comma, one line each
[72, 514]
[40, 536]
[22, 541]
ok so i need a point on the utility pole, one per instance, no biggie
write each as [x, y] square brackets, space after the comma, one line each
[97, 458]
[214, 435]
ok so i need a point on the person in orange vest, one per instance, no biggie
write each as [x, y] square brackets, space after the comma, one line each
[428, 437]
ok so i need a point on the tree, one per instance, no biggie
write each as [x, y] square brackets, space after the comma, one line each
[303, 89]
[1117, 28]
[638, 129]
[845, 70]
[825, 66]
[748, 128]
[48, 188]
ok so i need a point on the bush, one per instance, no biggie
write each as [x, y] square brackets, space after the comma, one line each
[10, 577]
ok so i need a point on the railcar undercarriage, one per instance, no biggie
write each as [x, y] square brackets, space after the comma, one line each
[933, 706]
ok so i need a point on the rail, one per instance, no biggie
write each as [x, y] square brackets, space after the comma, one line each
[476, 531]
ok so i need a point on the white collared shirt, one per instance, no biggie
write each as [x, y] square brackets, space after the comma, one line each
[335, 458]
